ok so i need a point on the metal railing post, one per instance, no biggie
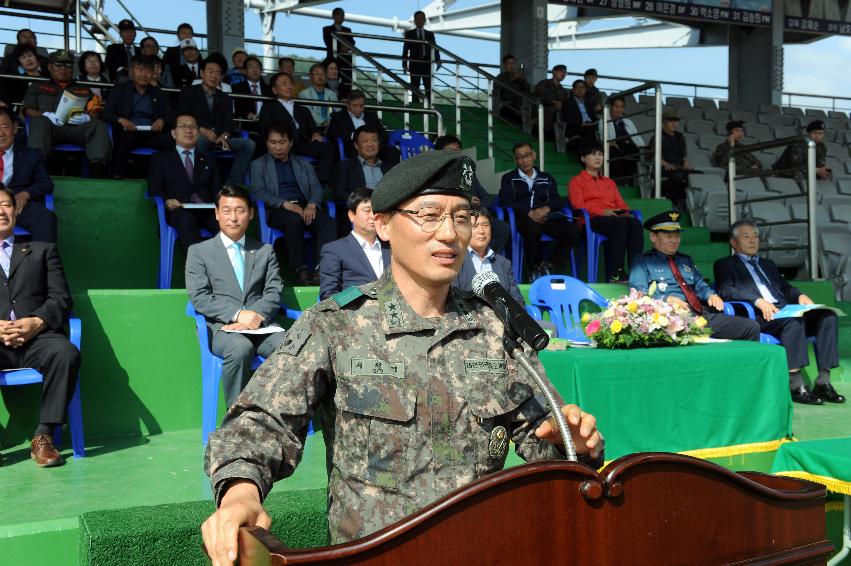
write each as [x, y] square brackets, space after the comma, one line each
[432, 70]
[657, 145]
[490, 119]
[731, 188]
[378, 93]
[78, 32]
[458, 100]
[439, 118]
[541, 156]
[811, 208]
[407, 115]
[606, 118]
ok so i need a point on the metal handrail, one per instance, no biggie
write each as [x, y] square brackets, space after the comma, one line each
[657, 129]
[810, 167]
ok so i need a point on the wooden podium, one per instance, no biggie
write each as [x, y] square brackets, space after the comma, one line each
[642, 509]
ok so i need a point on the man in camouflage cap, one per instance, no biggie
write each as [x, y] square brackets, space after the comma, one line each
[795, 155]
[46, 129]
[416, 394]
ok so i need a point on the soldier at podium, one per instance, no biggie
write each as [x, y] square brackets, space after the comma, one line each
[409, 376]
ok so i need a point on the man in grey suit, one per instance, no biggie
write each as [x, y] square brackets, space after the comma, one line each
[293, 196]
[235, 283]
[481, 257]
[360, 257]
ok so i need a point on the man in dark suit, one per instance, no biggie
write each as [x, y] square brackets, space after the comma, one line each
[308, 138]
[747, 277]
[365, 169]
[481, 257]
[417, 56]
[344, 123]
[119, 55]
[173, 55]
[581, 126]
[246, 108]
[34, 305]
[140, 114]
[234, 281]
[25, 36]
[23, 171]
[185, 74]
[185, 175]
[213, 110]
[358, 258]
[343, 54]
[288, 186]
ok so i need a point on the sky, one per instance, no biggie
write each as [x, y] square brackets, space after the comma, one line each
[818, 68]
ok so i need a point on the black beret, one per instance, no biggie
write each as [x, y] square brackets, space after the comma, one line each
[816, 125]
[431, 172]
[734, 124]
[668, 221]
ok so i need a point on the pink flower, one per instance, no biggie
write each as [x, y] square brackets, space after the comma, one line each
[592, 327]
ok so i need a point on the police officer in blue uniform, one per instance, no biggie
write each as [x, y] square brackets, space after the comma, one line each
[679, 282]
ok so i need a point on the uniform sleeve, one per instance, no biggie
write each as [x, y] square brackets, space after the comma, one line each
[639, 275]
[263, 434]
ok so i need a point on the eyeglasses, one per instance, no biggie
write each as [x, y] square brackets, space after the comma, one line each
[431, 219]
[63, 65]
[523, 156]
[186, 127]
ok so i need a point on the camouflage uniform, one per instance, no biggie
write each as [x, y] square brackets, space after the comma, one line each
[745, 162]
[795, 155]
[548, 91]
[43, 134]
[412, 408]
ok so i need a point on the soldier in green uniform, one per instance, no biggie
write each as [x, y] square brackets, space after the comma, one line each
[745, 162]
[415, 392]
[47, 129]
[795, 155]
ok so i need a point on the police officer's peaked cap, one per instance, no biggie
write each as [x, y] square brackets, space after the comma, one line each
[668, 221]
[430, 172]
[816, 125]
[60, 56]
[734, 124]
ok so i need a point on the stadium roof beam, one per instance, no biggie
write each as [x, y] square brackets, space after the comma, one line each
[640, 34]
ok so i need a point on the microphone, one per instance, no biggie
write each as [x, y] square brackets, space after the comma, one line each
[486, 286]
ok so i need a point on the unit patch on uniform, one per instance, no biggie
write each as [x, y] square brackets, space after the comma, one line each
[498, 444]
[294, 341]
[484, 365]
[372, 366]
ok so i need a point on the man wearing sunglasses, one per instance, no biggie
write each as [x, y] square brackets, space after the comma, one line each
[410, 378]
[47, 128]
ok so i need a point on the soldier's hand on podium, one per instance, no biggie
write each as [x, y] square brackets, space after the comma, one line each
[240, 506]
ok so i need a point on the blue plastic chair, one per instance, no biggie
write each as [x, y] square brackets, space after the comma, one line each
[342, 149]
[561, 296]
[268, 234]
[517, 245]
[168, 238]
[211, 375]
[48, 204]
[594, 240]
[730, 309]
[67, 148]
[409, 142]
[75, 406]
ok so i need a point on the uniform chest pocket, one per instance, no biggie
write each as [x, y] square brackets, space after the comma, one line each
[375, 420]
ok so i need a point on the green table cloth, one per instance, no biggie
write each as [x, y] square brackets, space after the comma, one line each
[709, 400]
[826, 461]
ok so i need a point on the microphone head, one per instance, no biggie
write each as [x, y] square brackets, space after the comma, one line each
[481, 280]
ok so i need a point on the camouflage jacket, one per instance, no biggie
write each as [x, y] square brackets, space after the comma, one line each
[548, 92]
[411, 408]
[44, 96]
[744, 161]
[795, 155]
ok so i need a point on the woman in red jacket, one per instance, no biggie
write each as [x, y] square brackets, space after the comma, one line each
[609, 213]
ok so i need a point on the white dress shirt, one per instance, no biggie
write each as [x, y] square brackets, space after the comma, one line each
[255, 87]
[481, 263]
[373, 253]
[8, 164]
[289, 105]
[763, 290]
[357, 121]
[231, 254]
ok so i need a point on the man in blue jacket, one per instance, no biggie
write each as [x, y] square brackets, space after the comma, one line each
[537, 206]
[288, 186]
[677, 280]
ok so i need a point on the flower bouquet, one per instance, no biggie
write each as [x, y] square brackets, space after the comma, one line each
[638, 320]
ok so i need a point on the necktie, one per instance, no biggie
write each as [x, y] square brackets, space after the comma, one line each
[194, 72]
[187, 164]
[255, 91]
[620, 129]
[778, 296]
[691, 298]
[5, 262]
[238, 263]
[129, 49]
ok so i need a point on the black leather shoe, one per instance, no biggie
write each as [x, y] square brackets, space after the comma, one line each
[828, 393]
[805, 396]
